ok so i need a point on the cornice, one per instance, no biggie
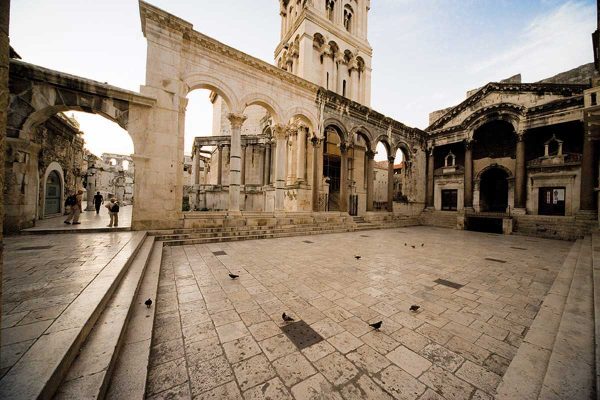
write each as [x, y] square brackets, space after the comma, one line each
[166, 20]
[538, 88]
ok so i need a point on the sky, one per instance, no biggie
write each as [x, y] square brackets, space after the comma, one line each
[426, 53]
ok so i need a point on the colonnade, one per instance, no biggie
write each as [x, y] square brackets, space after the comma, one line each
[520, 197]
[284, 162]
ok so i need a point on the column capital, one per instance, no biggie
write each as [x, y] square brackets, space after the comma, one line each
[391, 159]
[292, 130]
[236, 120]
[370, 154]
[521, 136]
[343, 147]
[315, 141]
[279, 131]
[468, 144]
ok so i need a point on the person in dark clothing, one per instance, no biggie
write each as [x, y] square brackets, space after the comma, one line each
[98, 201]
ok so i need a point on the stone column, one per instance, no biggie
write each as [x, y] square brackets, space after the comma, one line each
[205, 171]
[520, 181]
[197, 167]
[344, 178]
[220, 165]
[430, 168]
[468, 184]
[315, 174]
[243, 161]
[280, 133]
[301, 155]
[236, 120]
[370, 169]
[267, 165]
[586, 194]
[4, 99]
[90, 193]
[390, 196]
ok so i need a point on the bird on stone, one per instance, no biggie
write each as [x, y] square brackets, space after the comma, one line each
[148, 303]
[412, 246]
[414, 308]
[357, 257]
[233, 276]
[286, 317]
[376, 325]
[405, 244]
[422, 244]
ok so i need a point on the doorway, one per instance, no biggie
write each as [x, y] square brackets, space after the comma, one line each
[52, 201]
[552, 201]
[494, 190]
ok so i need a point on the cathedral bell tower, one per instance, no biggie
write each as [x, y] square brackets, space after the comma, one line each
[325, 42]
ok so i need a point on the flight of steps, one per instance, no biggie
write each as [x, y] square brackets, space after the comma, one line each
[442, 219]
[566, 228]
[90, 346]
[558, 357]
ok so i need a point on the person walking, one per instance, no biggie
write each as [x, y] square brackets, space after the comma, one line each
[98, 201]
[70, 203]
[74, 201]
[113, 212]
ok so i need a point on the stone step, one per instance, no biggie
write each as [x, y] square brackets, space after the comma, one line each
[525, 374]
[571, 368]
[128, 380]
[198, 235]
[41, 369]
[271, 235]
[90, 372]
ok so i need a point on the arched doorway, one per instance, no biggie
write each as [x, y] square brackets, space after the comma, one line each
[52, 199]
[332, 165]
[494, 190]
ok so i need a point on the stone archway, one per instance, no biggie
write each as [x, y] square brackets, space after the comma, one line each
[53, 190]
[493, 190]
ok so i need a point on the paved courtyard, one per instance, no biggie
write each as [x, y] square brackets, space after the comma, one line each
[88, 219]
[217, 338]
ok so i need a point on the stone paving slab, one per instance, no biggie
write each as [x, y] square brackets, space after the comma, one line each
[60, 286]
[227, 337]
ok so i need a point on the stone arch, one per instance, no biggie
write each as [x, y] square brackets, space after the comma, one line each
[508, 172]
[203, 81]
[302, 112]
[366, 135]
[54, 166]
[342, 131]
[511, 113]
[264, 101]
[404, 148]
[385, 141]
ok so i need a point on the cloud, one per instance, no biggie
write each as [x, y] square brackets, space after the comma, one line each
[551, 43]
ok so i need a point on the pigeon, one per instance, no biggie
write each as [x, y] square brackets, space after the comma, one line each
[422, 244]
[414, 308]
[412, 246]
[404, 244]
[376, 325]
[286, 317]
[357, 257]
[148, 303]
[233, 276]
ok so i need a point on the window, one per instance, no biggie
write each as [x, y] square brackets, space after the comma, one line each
[449, 199]
[348, 13]
[329, 8]
[327, 87]
[344, 88]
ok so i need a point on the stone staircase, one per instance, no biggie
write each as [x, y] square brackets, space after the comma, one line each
[442, 219]
[553, 227]
[306, 227]
[89, 348]
[558, 357]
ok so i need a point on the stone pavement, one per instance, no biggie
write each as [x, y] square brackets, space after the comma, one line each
[42, 276]
[88, 219]
[216, 338]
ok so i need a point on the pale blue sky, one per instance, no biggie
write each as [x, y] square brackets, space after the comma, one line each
[427, 53]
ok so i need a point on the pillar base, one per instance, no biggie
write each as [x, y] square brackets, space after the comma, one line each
[518, 211]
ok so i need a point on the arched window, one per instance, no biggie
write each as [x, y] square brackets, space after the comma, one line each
[329, 9]
[344, 88]
[348, 13]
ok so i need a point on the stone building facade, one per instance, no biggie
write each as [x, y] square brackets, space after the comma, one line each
[41, 171]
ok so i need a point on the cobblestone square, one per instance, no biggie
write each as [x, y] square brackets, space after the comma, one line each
[457, 345]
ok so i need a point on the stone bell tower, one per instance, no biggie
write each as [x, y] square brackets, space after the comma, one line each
[325, 42]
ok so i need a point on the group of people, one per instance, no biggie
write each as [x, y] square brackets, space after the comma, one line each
[74, 206]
